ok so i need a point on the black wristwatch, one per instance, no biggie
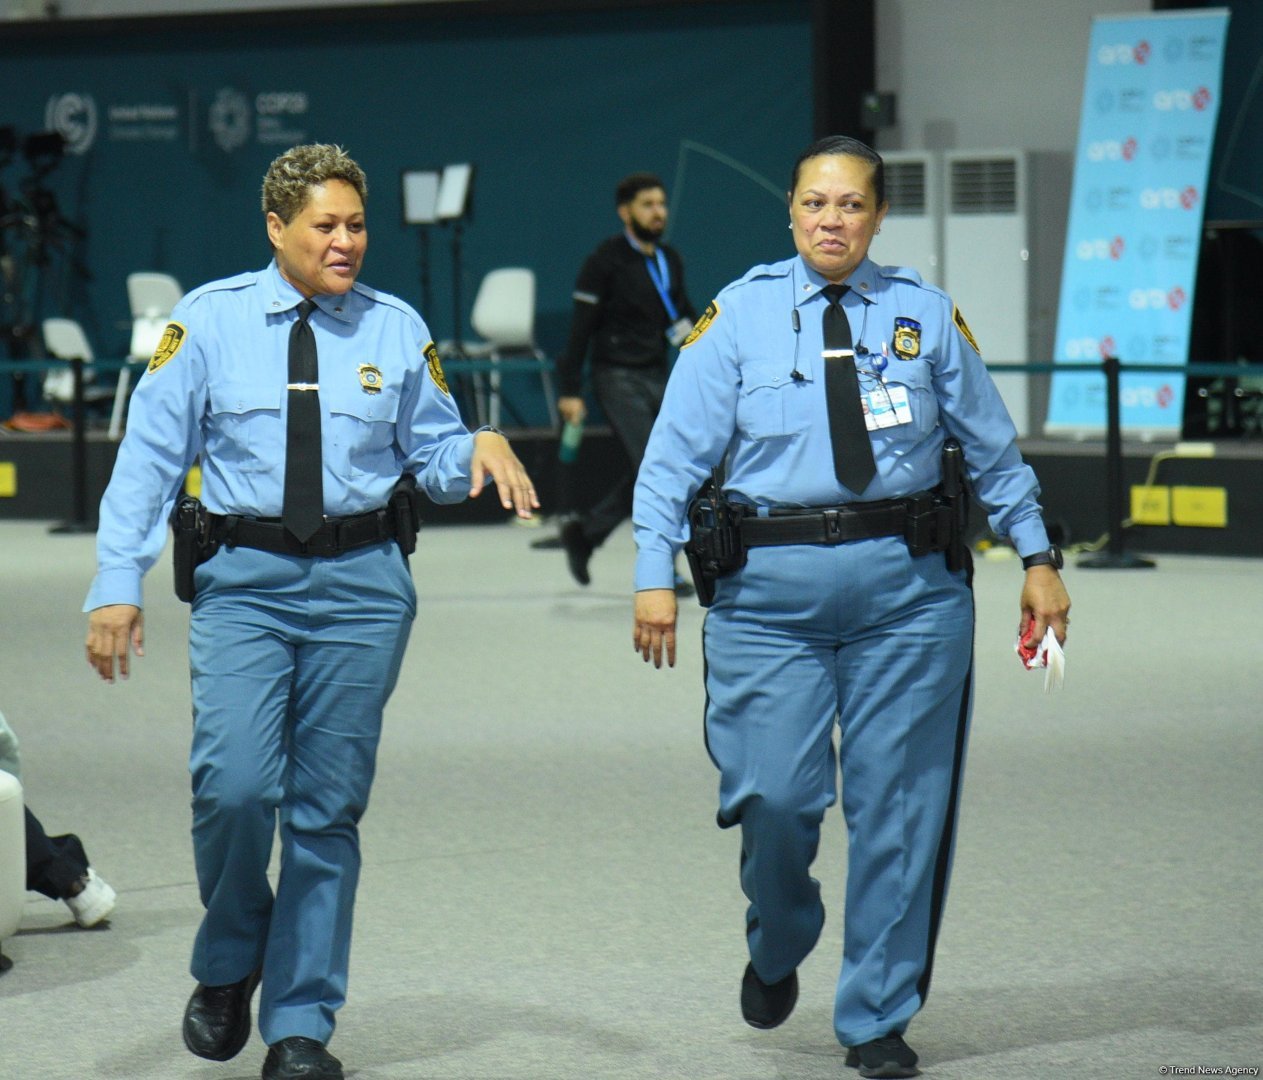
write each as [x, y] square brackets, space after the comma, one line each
[1052, 557]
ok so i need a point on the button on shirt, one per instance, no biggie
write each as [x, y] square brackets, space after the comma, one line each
[751, 387]
[221, 395]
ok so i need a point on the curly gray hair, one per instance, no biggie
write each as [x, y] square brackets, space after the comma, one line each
[290, 178]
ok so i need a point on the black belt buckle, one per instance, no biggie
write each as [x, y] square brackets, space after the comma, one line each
[325, 542]
[832, 526]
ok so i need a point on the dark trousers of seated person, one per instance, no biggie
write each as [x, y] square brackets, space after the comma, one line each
[54, 864]
[630, 398]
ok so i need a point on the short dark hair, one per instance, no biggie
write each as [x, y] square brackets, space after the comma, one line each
[845, 145]
[631, 186]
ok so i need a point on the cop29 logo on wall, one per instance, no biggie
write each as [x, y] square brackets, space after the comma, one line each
[74, 117]
[230, 119]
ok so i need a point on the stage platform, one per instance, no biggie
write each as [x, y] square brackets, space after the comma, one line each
[36, 483]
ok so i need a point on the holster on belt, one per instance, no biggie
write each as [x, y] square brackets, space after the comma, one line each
[714, 546]
[406, 505]
[192, 543]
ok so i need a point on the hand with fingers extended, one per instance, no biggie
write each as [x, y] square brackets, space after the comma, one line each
[114, 631]
[654, 629]
[494, 459]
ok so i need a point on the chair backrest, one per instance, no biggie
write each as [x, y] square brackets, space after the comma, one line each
[147, 332]
[65, 340]
[504, 309]
[152, 295]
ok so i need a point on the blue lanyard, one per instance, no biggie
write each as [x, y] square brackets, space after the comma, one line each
[660, 275]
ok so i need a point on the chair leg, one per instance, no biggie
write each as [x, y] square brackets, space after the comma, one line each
[120, 402]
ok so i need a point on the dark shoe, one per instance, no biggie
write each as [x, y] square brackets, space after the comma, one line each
[887, 1056]
[298, 1058]
[578, 551]
[217, 1018]
[767, 1005]
[546, 543]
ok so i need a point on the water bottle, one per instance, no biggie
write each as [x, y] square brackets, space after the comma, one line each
[571, 437]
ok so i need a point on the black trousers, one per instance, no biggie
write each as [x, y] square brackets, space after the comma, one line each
[630, 398]
[53, 863]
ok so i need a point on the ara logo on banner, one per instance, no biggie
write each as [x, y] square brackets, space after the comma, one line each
[1169, 198]
[74, 117]
[1123, 53]
[1100, 248]
[1181, 100]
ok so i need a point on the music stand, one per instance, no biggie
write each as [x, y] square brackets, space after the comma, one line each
[420, 203]
[452, 205]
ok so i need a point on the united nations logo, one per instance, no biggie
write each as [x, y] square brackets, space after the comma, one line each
[230, 119]
[73, 116]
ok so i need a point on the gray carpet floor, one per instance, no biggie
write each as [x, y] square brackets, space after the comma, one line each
[545, 895]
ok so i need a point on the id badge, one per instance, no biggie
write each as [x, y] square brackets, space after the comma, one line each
[678, 331]
[887, 407]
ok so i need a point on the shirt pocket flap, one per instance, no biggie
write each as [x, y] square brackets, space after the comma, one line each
[244, 397]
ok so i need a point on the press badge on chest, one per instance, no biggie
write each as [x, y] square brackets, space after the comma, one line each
[886, 407]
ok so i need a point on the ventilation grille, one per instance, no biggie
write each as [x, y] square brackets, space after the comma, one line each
[905, 188]
[984, 186]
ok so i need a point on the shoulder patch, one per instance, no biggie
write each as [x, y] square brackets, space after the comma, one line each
[700, 327]
[172, 338]
[431, 354]
[963, 327]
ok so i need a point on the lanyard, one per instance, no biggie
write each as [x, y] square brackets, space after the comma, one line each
[660, 275]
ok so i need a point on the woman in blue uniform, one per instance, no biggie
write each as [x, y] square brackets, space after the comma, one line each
[306, 397]
[826, 386]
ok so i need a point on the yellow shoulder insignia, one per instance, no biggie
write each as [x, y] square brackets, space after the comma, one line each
[963, 327]
[699, 328]
[431, 354]
[172, 338]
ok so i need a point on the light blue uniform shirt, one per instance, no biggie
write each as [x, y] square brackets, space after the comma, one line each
[221, 395]
[750, 386]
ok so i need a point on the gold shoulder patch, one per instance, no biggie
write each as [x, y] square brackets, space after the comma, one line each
[700, 327]
[431, 354]
[963, 327]
[172, 338]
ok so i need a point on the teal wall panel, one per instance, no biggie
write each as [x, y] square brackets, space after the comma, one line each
[551, 108]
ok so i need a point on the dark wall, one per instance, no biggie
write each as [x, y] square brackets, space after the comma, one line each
[551, 108]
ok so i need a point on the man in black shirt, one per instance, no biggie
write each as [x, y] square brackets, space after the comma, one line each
[630, 304]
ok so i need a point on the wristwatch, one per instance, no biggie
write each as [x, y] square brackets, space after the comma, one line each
[1052, 557]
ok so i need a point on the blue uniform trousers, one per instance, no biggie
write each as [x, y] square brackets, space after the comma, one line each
[864, 635]
[292, 662]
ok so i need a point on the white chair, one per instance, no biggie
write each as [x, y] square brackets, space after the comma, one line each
[64, 339]
[504, 317]
[12, 858]
[152, 297]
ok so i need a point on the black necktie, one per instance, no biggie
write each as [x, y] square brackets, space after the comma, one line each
[852, 451]
[304, 505]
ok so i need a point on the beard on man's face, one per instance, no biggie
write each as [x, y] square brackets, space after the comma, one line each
[647, 234]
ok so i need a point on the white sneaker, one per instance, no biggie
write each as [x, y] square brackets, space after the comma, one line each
[94, 903]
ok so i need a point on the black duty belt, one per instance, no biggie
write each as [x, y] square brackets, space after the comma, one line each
[836, 524]
[335, 536]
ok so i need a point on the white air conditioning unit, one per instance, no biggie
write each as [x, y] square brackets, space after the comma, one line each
[986, 261]
[912, 234]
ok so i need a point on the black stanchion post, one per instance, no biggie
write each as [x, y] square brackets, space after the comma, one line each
[78, 461]
[1114, 557]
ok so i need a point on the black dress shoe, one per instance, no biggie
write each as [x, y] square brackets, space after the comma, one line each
[887, 1056]
[298, 1058]
[767, 1005]
[578, 551]
[217, 1018]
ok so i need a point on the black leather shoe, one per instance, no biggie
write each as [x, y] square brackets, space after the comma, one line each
[767, 1005]
[298, 1058]
[217, 1018]
[578, 551]
[887, 1056]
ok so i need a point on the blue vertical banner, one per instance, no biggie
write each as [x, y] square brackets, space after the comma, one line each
[1150, 102]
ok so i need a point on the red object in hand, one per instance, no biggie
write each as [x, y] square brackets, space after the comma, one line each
[1027, 646]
